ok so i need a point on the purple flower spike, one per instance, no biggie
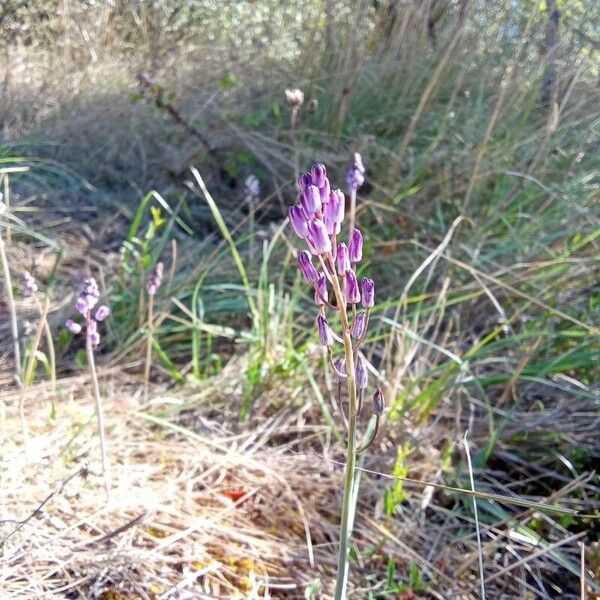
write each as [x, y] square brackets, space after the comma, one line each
[30, 287]
[342, 259]
[298, 221]
[378, 403]
[321, 294]
[355, 246]
[307, 268]
[317, 234]
[155, 280]
[351, 288]
[102, 312]
[311, 200]
[72, 326]
[355, 175]
[318, 173]
[362, 375]
[359, 325]
[325, 333]
[367, 287]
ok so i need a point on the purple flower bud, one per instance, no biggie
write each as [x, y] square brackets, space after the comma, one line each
[298, 221]
[304, 181]
[342, 259]
[362, 375]
[325, 191]
[378, 403]
[351, 290]
[367, 287]
[311, 200]
[155, 280]
[325, 333]
[318, 173]
[81, 304]
[72, 326]
[321, 294]
[340, 365]
[318, 237]
[151, 289]
[355, 246]
[102, 312]
[359, 325]
[331, 226]
[355, 175]
[94, 338]
[333, 213]
[307, 268]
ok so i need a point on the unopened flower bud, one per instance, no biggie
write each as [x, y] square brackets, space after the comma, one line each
[359, 325]
[351, 290]
[304, 181]
[325, 191]
[325, 333]
[378, 403]
[318, 173]
[362, 375]
[311, 200]
[298, 221]
[367, 287]
[72, 326]
[81, 304]
[340, 366]
[355, 246]
[102, 312]
[342, 259]
[308, 270]
[318, 237]
[321, 294]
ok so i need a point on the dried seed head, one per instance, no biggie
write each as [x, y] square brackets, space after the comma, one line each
[378, 403]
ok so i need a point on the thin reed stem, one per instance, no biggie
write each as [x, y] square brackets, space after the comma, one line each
[149, 344]
[99, 415]
[352, 210]
[49, 342]
[10, 300]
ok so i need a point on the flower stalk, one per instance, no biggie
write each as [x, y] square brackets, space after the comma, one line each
[317, 219]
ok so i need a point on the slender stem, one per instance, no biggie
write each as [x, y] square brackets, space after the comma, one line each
[149, 344]
[372, 436]
[90, 356]
[348, 496]
[13, 313]
[49, 341]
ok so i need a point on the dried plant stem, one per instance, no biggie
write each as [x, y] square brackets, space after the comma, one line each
[43, 310]
[11, 309]
[100, 417]
[149, 344]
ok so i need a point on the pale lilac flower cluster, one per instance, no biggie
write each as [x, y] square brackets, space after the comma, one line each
[251, 188]
[87, 299]
[155, 280]
[355, 175]
[317, 219]
[30, 287]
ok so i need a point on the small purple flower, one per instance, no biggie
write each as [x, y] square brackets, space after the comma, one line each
[359, 325]
[378, 403]
[342, 259]
[367, 287]
[81, 304]
[298, 221]
[362, 375]
[355, 175]
[102, 312]
[319, 174]
[30, 287]
[311, 200]
[304, 181]
[325, 191]
[325, 333]
[340, 365]
[318, 237]
[321, 294]
[351, 290]
[355, 246]
[308, 270]
[155, 280]
[94, 337]
[72, 326]
[333, 213]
